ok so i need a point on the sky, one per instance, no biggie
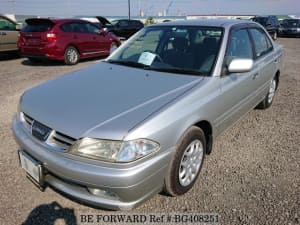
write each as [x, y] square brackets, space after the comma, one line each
[69, 8]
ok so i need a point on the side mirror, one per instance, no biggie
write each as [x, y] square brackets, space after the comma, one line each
[103, 31]
[240, 65]
[19, 26]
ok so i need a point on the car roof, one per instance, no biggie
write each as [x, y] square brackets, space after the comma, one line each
[206, 22]
[54, 20]
[126, 20]
[264, 16]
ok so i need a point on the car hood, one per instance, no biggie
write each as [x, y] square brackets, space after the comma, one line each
[103, 100]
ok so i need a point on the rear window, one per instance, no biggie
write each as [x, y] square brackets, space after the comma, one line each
[38, 26]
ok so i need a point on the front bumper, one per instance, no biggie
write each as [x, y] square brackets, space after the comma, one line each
[132, 183]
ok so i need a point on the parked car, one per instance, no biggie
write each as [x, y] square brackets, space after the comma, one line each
[9, 31]
[270, 23]
[100, 21]
[290, 28]
[124, 28]
[65, 39]
[118, 132]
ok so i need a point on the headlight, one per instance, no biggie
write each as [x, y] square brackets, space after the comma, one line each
[113, 151]
[298, 29]
[19, 105]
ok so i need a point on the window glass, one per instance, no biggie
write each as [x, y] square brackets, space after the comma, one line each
[123, 23]
[262, 20]
[261, 42]
[291, 23]
[38, 26]
[6, 24]
[168, 47]
[67, 27]
[239, 46]
[91, 28]
[79, 28]
[149, 42]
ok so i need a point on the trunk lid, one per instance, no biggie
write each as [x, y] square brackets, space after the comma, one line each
[35, 33]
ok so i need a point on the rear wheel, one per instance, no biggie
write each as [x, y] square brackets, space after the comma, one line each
[268, 100]
[71, 56]
[186, 163]
[34, 60]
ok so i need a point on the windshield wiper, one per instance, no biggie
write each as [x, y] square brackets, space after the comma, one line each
[161, 69]
[128, 63]
[176, 70]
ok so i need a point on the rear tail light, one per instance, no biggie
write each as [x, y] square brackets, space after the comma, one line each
[51, 37]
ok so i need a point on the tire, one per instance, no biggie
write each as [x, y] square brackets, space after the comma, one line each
[71, 56]
[268, 100]
[274, 36]
[113, 47]
[34, 60]
[178, 181]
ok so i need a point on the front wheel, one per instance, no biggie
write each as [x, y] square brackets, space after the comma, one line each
[268, 100]
[186, 163]
[274, 36]
[71, 56]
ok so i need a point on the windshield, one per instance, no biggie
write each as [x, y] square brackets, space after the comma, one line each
[177, 49]
[261, 20]
[291, 23]
[114, 22]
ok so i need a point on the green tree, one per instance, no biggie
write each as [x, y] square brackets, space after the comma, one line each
[149, 21]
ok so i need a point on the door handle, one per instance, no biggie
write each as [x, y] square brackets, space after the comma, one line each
[75, 36]
[2, 33]
[255, 75]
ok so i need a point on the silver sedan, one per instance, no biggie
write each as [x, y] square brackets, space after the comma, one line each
[118, 132]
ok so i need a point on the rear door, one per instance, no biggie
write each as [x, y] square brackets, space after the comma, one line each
[8, 35]
[99, 42]
[79, 37]
[264, 57]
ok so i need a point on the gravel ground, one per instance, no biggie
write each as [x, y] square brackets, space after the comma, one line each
[251, 177]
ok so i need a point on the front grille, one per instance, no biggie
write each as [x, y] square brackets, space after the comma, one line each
[27, 121]
[62, 141]
[56, 140]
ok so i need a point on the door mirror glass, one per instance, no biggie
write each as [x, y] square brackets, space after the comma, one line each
[240, 65]
[19, 26]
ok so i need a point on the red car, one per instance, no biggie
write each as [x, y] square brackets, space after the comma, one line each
[65, 39]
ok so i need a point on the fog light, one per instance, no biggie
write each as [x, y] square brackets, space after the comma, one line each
[103, 193]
